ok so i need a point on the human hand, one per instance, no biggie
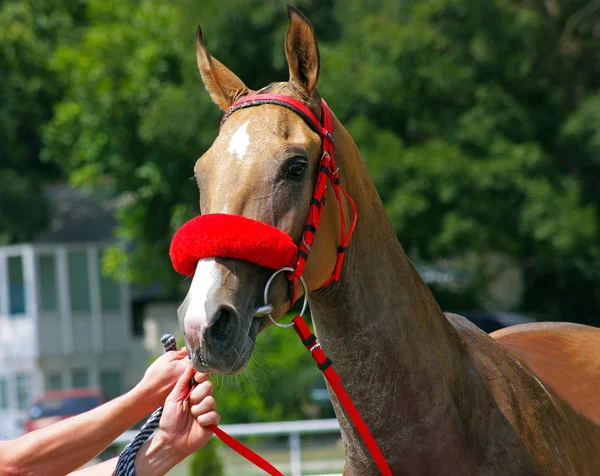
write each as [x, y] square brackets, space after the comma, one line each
[161, 376]
[182, 426]
[184, 421]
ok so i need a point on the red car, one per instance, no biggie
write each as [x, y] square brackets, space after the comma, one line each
[60, 405]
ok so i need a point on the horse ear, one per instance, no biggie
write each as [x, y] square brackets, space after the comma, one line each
[302, 52]
[223, 86]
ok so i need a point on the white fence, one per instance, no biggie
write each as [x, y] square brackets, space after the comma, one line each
[293, 429]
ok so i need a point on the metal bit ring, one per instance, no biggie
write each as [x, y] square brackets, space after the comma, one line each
[266, 296]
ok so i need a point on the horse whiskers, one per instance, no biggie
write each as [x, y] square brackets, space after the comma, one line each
[264, 368]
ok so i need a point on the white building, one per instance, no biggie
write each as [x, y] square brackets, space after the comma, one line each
[62, 323]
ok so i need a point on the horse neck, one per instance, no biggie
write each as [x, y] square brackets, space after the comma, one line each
[394, 349]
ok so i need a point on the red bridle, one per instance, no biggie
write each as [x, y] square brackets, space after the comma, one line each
[328, 172]
[204, 237]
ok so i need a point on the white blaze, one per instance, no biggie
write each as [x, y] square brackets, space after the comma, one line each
[239, 142]
[206, 276]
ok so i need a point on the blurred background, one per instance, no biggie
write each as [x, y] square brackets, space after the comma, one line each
[479, 122]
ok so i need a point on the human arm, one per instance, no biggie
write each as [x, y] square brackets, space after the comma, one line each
[67, 445]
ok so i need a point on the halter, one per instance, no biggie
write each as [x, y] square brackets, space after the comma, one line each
[234, 236]
[187, 247]
[328, 171]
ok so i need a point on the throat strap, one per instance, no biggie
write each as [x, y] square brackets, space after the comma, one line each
[328, 173]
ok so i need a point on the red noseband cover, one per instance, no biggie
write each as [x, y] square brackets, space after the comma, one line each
[230, 236]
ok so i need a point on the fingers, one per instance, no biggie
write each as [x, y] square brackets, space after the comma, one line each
[210, 418]
[181, 389]
[176, 366]
[172, 356]
[200, 392]
[177, 354]
[181, 353]
[205, 406]
[201, 377]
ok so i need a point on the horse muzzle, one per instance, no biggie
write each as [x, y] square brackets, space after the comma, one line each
[231, 259]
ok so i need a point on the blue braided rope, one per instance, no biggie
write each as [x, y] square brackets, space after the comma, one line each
[126, 463]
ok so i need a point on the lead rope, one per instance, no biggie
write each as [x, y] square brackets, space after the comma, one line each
[309, 340]
[126, 462]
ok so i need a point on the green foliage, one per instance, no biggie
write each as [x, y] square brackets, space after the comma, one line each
[29, 32]
[206, 461]
[134, 113]
[477, 120]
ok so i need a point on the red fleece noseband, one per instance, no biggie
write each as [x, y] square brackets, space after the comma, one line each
[230, 236]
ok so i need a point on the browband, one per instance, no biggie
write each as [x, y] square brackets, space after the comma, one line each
[278, 100]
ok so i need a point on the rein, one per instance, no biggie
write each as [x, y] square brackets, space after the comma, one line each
[233, 236]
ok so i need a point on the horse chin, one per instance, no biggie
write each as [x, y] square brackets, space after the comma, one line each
[229, 361]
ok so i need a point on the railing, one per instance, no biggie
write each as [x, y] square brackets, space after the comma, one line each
[291, 428]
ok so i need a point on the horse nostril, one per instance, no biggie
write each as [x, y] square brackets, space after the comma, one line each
[223, 328]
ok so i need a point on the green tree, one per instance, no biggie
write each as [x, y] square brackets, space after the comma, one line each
[29, 31]
[135, 118]
[478, 122]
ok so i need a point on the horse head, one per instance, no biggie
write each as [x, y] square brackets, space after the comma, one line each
[262, 165]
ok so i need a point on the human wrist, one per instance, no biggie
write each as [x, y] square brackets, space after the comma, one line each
[146, 397]
[157, 456]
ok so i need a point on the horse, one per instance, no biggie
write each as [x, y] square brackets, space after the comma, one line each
[439, 395]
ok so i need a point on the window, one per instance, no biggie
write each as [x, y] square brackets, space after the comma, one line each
[4, 403]
[80, 378]
[23, 386]
[54, 382]
[110, 383]
[79, 281]
[16, 285]
[110, 291]
[137, 317]
[47, 283]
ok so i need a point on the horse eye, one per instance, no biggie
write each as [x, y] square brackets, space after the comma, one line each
[296, 171]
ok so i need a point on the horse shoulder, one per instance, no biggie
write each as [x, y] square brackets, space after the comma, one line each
[514, 435]
[564, 356]
[517, 389]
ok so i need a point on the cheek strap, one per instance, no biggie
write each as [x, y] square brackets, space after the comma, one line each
[231, 236]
